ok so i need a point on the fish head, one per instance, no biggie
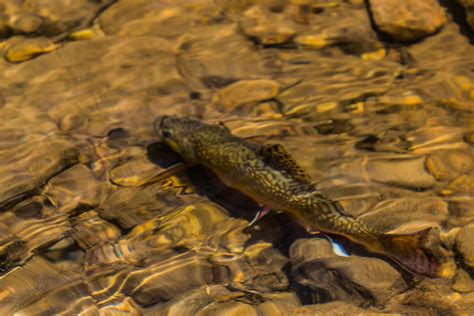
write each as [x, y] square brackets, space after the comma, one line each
[177, 133]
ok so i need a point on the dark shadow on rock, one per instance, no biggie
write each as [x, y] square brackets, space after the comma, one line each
[459, 17]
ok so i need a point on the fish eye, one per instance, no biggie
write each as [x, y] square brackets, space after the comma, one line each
[166, 134]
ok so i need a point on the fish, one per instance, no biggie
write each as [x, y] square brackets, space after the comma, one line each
[271, 177]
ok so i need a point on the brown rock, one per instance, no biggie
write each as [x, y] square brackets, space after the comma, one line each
[74, 187]
[267, 27]
[26, 23]
[91, 230]
[407, 20]
[463, 282]
[461, 210]
[352, 33]
[246, 91]
[202, 70]
[59, 15]
[410, 214]
[164, 279]
[310, 249]
[38, 283]
[24, 166]
[356, 279]
[410, 173]
[449, 164]
[28, 48]
[35, 223]
[434, 295]
[462, 185]
[465, 244]
[168, 19]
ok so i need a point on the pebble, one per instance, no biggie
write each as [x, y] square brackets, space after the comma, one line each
[246, 91]
[408, 172]
[409, 214]
[351, 279]
[465, 244]
[449, 164]
[26, 23]
[29, 48]
[266, 27]
[407, 20]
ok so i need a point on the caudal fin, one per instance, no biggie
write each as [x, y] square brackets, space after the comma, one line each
[408, 251]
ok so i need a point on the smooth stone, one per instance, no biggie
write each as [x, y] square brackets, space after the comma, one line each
[74, 187]
[310, 249]
[449, 164]
[463, 282]
[279, 304]
[465, 244]
[32, 283]
[352, 34]
[432, 294]
[36, 224]
[407, 214]
[246, 91]
[405, 172]
[461, 185]
[60, 16]
[202, 70]
[90, 230]
[26, 23]
[24, 165]
[29, 48]
[86, 34]
[134, 172]
[350, 279]
[461, 210]
[162, 280]
[194, 225]
[407, 20]
[266, 27]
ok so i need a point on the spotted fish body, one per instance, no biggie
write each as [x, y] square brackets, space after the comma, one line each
[270, 177]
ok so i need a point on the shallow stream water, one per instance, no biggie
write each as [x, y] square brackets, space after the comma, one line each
[91, 223]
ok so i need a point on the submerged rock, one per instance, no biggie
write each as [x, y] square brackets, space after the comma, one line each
[407, 20]
[349, 279]
[27, 48]
[410, 172]
[266, 27]
[26, 23]
[245, 92]
[465, 244]
[450, 164]
[409, 214]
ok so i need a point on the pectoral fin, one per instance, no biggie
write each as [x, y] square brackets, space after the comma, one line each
[261, 213]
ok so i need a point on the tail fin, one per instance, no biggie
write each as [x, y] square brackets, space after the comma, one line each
[408, 251]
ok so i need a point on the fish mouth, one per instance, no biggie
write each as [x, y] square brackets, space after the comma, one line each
[159, 124]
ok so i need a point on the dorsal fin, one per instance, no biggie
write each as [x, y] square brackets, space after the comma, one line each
[278, 158]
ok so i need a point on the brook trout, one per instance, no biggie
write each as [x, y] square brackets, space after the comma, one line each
[270, 176]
